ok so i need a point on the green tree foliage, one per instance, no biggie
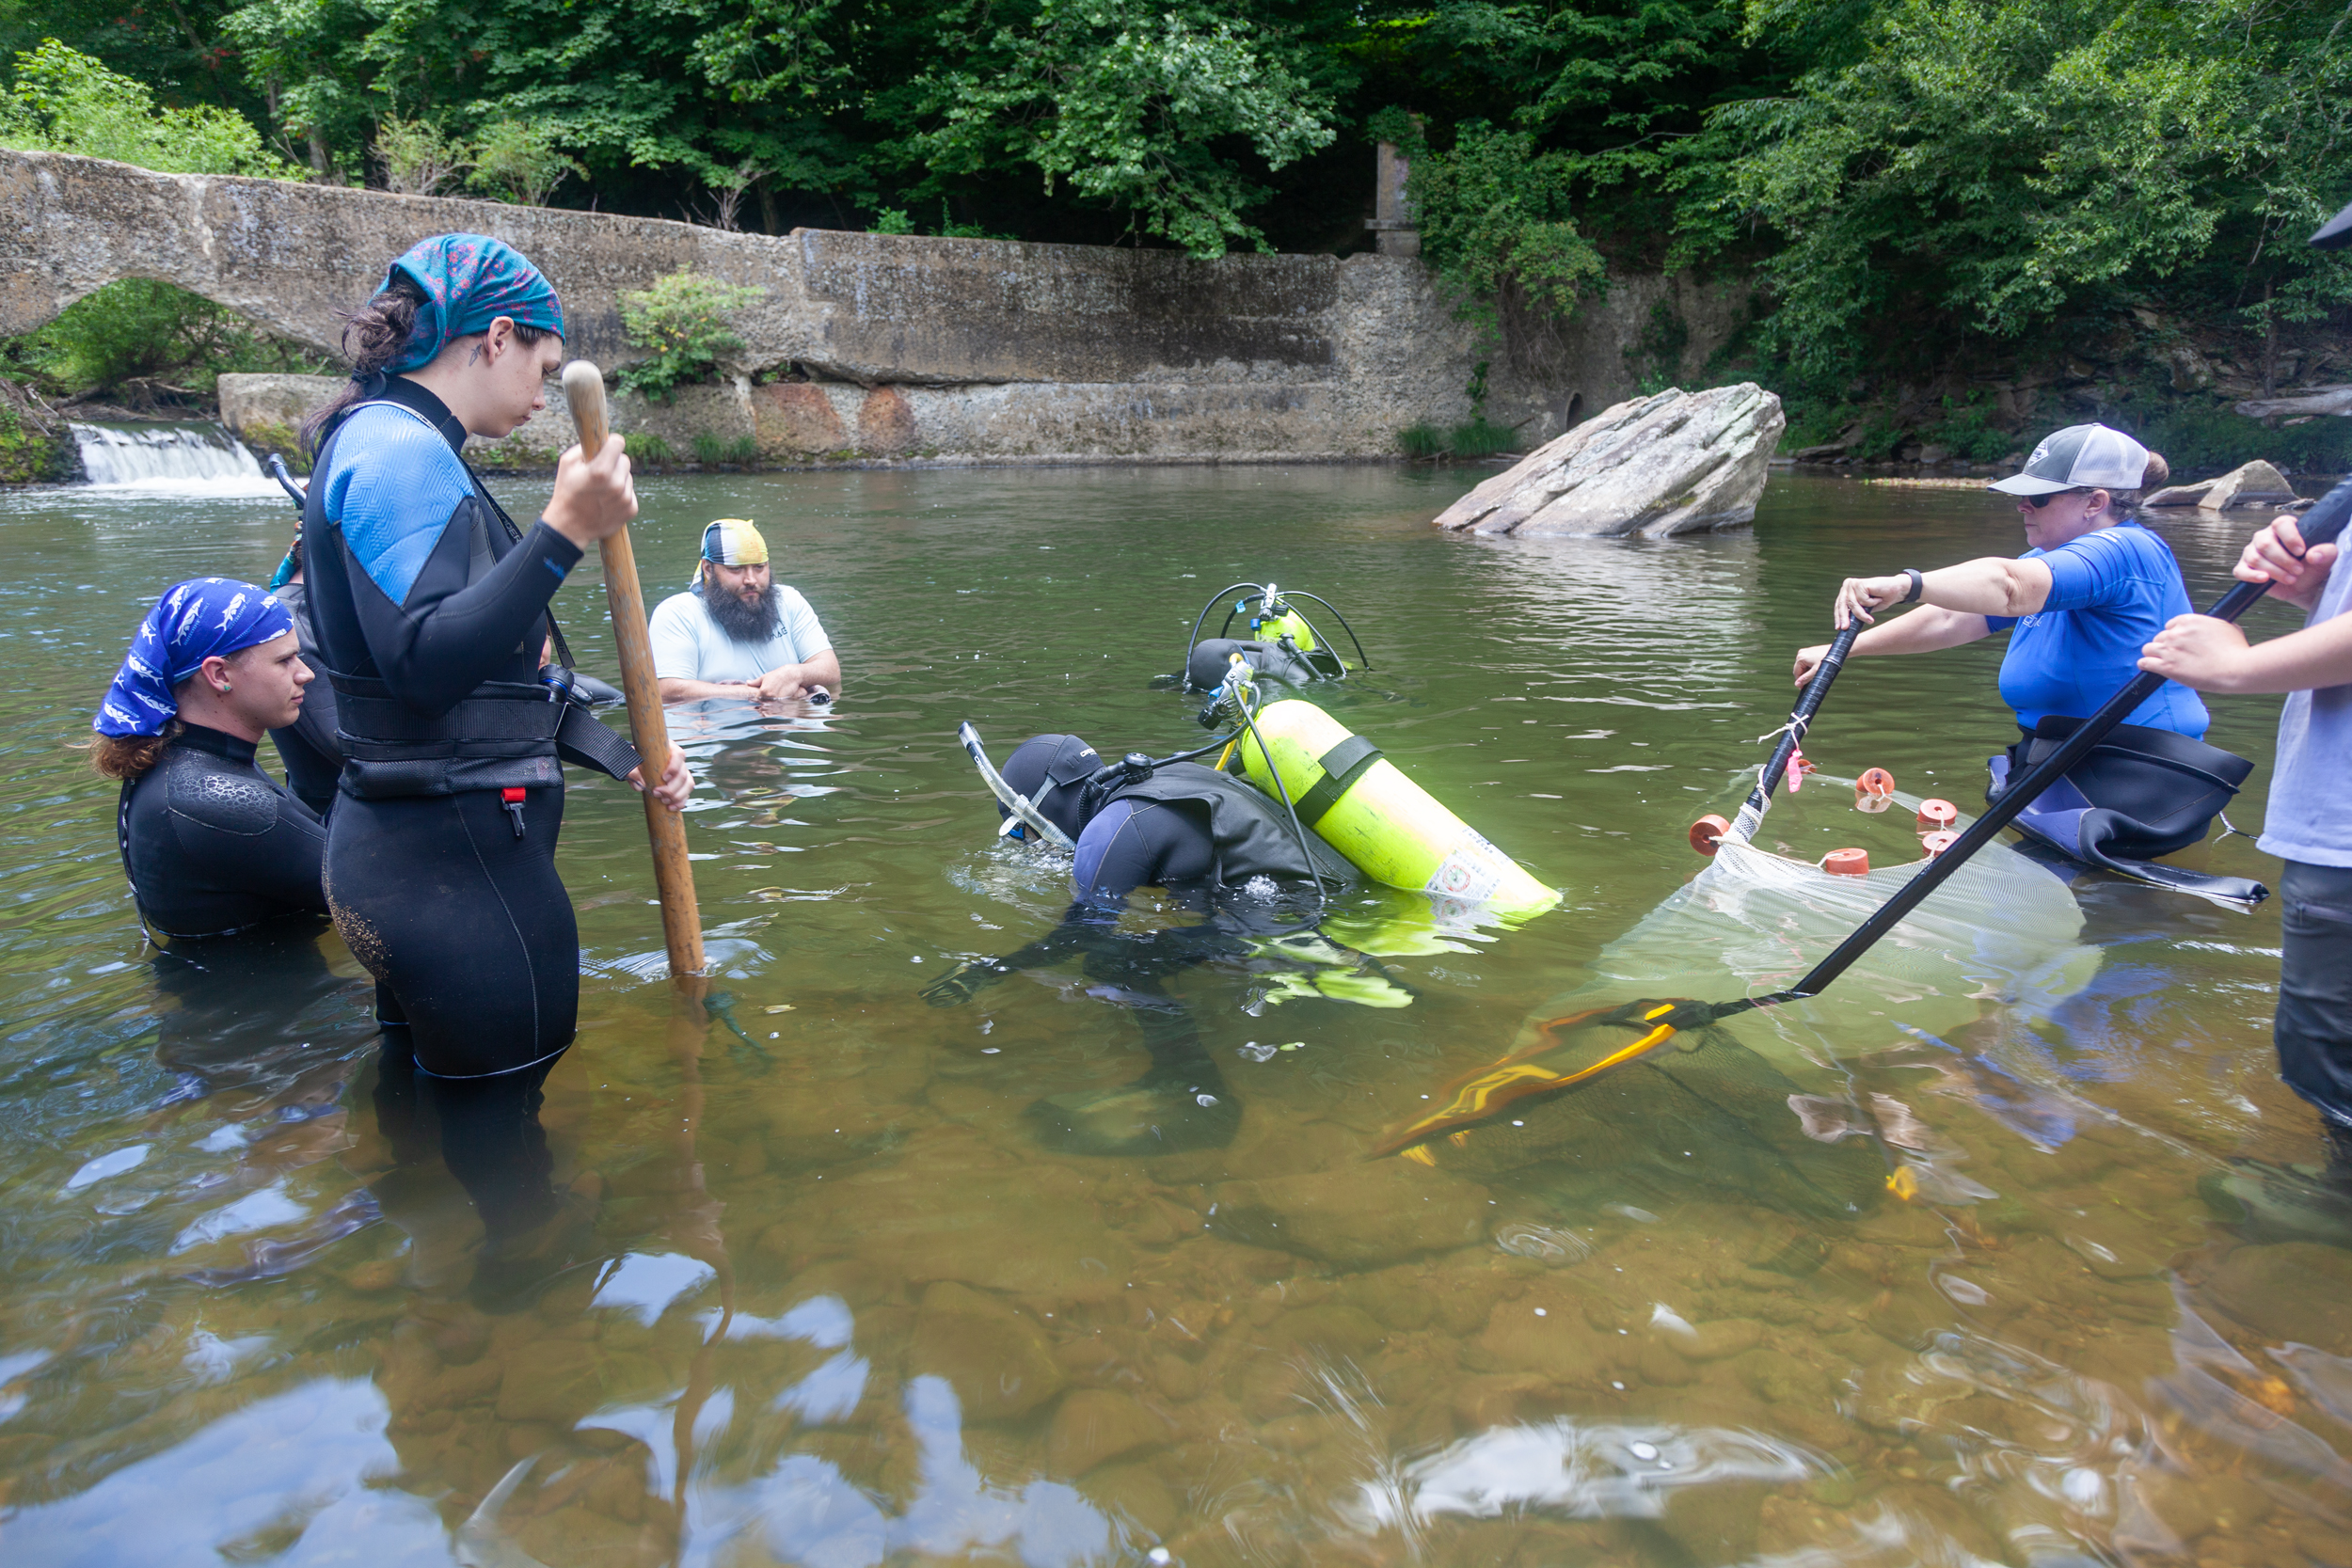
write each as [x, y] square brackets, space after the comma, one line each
[1992, 167]
[682, 321]
[1495, 226]
[1126, 102]
[64, 101]
[1912, 180]
[148, 340]
[517, 161]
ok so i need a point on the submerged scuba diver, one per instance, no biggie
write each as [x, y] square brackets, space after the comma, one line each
[210, 844]
[1283, 644]
[431, 610]
[2093, 587]
[1188, 829]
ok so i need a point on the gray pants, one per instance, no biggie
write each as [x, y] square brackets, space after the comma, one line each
[2314, 1029]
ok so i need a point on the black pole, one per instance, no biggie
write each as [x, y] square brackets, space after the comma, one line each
[1808, 703]
[2322, 522]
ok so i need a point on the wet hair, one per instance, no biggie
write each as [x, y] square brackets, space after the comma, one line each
[127, 757]
[2124, 505]
[374, 335]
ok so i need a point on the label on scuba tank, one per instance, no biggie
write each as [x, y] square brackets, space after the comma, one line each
[1471, 870]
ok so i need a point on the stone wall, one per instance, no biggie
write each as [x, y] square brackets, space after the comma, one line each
[888, 346]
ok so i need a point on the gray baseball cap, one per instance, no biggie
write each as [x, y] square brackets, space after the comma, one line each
[2080, 457]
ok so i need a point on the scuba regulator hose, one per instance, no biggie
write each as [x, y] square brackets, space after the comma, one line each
[1272, 598]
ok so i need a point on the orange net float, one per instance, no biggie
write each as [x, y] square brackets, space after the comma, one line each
[1847, 862]
[1706, 830]
[1936, 842]
[1874, 791]
[1935, 816]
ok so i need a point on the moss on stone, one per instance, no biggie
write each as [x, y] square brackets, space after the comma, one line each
[263, 437]
[33, 449]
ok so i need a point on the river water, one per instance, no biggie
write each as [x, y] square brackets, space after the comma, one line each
[822, 1286]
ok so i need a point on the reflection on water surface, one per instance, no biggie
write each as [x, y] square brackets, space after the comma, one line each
[783, 1273]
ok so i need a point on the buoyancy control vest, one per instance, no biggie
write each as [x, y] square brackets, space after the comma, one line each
[1253, 837]
[507, 731]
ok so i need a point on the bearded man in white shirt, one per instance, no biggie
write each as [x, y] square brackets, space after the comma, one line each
[736, 632]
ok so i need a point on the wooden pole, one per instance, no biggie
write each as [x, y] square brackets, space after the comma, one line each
[673, 873]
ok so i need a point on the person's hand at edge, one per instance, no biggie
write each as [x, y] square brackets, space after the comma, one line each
[2276, 556]
[1861, 595]
[675, 785]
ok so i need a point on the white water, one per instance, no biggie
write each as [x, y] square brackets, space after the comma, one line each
[169, 459]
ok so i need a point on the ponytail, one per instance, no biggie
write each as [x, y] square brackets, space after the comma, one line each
[127, 757]
[373, 336]
[2125, 504]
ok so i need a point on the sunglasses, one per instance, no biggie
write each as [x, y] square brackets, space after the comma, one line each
[2038, 502]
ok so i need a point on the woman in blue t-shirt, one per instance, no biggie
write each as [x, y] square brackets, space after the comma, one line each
[2079, 605]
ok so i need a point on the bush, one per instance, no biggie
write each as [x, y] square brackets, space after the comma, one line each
[1422, 441]
[517, 162]
[1481, 437]
[712, 448]
[1475, 438]
[645, 448]
[64, 101]
[137, 330]
[2207, 438]
[418, 159]
[1967, 429]
[681, 322]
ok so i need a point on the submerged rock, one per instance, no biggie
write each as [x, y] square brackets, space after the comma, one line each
[1359, 1216]
[1672, 462]
[997, 1359]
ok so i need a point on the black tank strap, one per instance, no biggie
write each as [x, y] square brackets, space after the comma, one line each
[1342, 765]
[585, 740]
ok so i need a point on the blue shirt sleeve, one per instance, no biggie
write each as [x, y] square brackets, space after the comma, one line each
[2102, 568]
[394, 495]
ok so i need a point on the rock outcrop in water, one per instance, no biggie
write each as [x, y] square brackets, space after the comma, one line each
[2255, 483]
[1673, 463]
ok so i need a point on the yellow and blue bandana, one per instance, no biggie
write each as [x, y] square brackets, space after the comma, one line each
[732, 542]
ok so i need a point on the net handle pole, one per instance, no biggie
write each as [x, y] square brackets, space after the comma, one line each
[1760, 800]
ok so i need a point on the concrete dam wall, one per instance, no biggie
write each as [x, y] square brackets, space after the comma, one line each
[859, 345]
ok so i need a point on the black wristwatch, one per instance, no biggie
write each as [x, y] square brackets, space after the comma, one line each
[1918, 585]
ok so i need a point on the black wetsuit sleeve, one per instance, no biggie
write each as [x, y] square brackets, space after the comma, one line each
[446, 638]
[280, 864]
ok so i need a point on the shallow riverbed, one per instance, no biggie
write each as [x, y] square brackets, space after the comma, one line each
[822, 1288]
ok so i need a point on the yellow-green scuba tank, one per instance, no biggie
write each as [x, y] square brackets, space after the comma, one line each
[1389, 827]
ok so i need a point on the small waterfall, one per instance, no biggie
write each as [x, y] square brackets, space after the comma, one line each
[195, 459]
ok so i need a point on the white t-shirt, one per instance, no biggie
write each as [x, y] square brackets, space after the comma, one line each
[688, 646]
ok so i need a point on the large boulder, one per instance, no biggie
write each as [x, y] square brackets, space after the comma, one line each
[1675, 462]
[2256, 484]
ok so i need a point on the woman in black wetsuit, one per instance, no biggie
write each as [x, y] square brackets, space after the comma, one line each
[210, 843]
[429, 608]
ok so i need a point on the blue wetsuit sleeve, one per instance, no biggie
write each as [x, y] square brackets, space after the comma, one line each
[409, 517]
